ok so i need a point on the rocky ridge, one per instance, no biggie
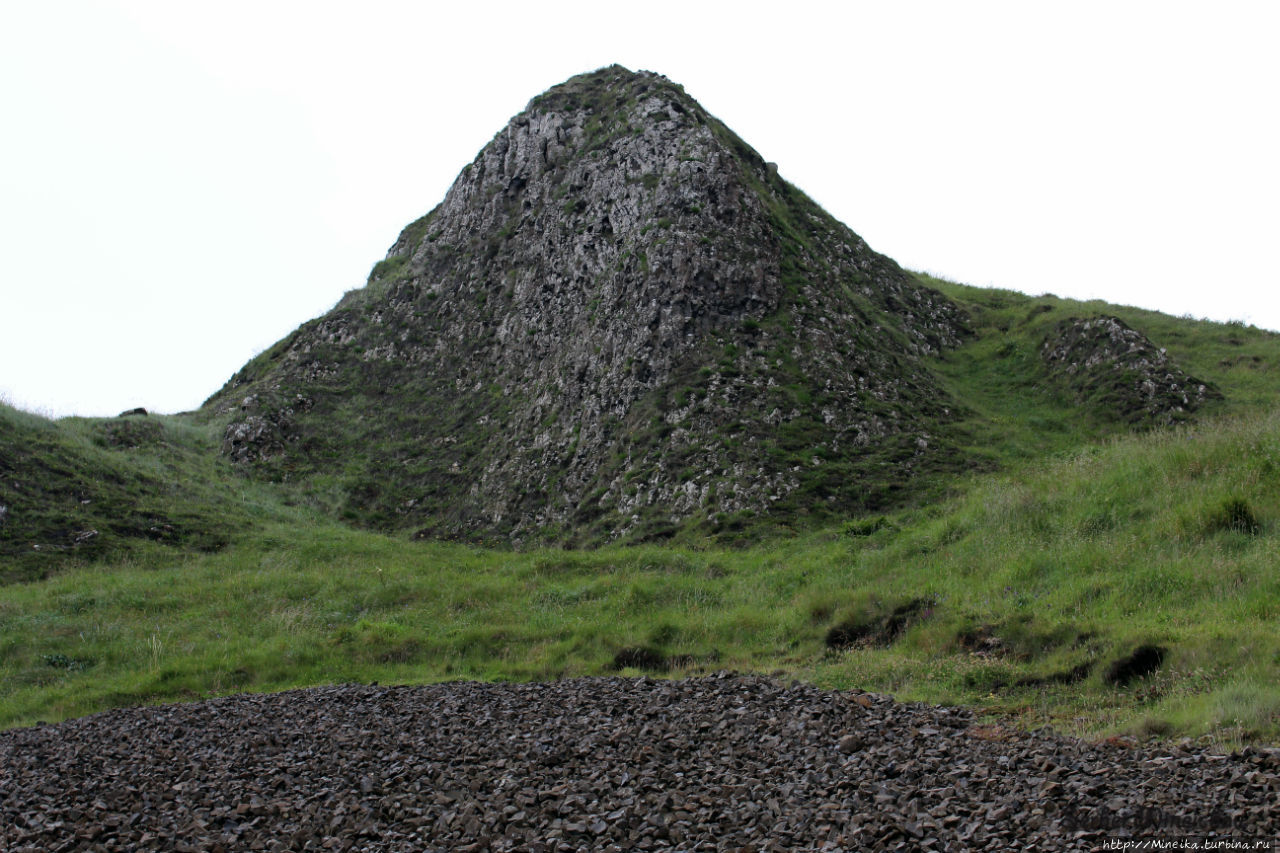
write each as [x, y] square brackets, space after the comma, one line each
[620, 320]
[719, 763]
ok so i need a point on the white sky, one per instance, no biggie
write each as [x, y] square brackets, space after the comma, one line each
[183, 183]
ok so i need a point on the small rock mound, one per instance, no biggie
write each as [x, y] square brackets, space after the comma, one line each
[264, 430]
[1121, 373]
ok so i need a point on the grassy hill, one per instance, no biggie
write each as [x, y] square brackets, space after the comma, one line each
[82, 491]
[1082, 572]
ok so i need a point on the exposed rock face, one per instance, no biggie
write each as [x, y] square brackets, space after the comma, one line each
[620, 319]
[261, 433]
[1122, 373]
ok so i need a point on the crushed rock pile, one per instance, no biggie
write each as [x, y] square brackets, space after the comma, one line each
[725, 762]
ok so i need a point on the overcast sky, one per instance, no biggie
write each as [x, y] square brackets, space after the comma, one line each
[182, 184]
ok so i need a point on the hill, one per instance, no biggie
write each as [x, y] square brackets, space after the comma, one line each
[82, 490]
[621, 322]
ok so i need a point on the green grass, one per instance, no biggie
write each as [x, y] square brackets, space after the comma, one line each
[1066, 562]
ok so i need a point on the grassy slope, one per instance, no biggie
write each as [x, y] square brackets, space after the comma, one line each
[79, 491]
[1019, 415]
[1080, 550]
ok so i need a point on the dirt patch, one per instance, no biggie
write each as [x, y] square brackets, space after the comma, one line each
[405, 652]
[639, 657]
[994, 733]
[649, 659]
[982, 642]
[1143, 661]
[1233, 514]
[1020, 639]
[879, 630]
[1067, 676]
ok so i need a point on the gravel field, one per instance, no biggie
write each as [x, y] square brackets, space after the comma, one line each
[725, 762]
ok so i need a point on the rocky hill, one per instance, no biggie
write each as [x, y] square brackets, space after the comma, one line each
[621, 320]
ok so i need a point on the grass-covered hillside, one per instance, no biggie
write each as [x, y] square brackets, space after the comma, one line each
[1019, 408]
[79, 491]
[1084, 573]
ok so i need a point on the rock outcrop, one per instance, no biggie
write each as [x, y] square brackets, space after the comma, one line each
[619, 321]
[1121, 374]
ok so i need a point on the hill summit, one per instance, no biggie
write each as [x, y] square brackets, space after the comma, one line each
[619, 320]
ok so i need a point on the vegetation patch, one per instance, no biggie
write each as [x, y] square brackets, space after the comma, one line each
[866, 526]
[129, 433]
[79, 490]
